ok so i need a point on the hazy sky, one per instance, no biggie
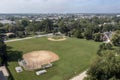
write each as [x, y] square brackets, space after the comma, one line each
[59, 6]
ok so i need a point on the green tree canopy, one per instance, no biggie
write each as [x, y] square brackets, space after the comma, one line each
[104, 47]
[116, 38]
[98, 37]
[78, 34]
[105, 68]
[25, 22]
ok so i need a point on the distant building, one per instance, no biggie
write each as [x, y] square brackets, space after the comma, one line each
[7, 22]
[117, 15]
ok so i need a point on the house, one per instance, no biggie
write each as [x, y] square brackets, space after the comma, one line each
[107, 36]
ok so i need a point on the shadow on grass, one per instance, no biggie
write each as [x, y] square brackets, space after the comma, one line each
[12, 56]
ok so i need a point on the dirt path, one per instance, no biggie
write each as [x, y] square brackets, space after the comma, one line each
[80, 76]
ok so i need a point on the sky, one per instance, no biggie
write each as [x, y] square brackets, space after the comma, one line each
[59, 6]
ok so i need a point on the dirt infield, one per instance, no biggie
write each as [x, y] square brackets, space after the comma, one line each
[35, 59]
[52, 39]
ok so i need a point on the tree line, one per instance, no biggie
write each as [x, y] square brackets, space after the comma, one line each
[81, 28]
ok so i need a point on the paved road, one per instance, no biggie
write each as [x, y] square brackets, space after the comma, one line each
[28, 38]
[80, 76]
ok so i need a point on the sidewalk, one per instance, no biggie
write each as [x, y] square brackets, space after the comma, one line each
[80, 76]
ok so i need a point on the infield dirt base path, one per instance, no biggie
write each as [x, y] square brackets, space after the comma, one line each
[35, 59]
[80, 76]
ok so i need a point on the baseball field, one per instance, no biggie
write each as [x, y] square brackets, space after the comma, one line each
[75, 56]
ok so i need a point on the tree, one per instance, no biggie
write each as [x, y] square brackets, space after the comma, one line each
[20, 34]
[47, 25]
[64, 29]
[32, 27]
[116, 38]
[1, 25]
[105, 68]
[98, 37]
[108, 27]
[3, 53]
[104, 47]
[25, 22]
[10, 28]
[89, 31]
[56, 29]
[78, 34]
[117, 51]
[88, 34]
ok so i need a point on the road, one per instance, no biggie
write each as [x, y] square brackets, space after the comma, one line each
[28, 38]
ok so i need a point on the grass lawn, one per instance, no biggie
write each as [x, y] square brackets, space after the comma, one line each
[75, 57]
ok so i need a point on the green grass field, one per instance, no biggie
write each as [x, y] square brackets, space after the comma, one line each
[75, 57]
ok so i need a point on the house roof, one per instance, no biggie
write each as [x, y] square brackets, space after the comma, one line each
[2, 77]
[4, 71]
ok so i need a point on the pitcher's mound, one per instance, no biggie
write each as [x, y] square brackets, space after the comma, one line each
[36, 59]
[56, 38]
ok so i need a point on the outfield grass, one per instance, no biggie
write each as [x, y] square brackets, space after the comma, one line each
[75, 57]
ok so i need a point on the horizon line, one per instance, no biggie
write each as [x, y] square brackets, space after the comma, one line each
[63, 13]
